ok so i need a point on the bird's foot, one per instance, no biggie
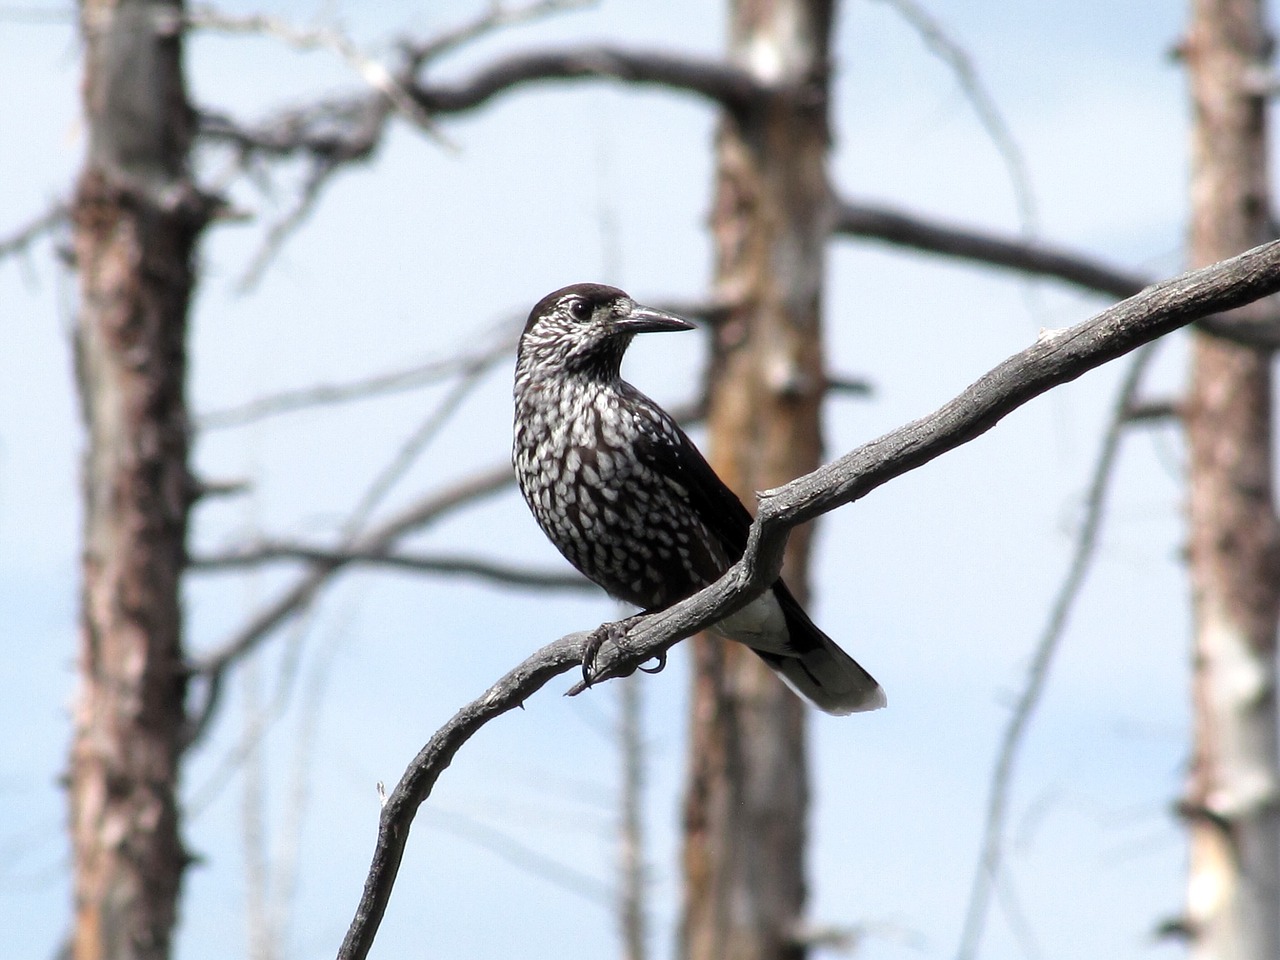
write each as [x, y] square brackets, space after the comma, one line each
[606, 632]
[616, 634]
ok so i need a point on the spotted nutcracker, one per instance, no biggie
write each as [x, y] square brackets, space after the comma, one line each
[624, 494]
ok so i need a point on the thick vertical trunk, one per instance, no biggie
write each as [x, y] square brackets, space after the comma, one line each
[1233, 816]
[136, 222]
[747, 796]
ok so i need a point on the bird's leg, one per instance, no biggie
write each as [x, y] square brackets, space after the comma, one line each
[615, 633]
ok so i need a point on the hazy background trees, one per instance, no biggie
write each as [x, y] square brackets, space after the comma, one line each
[938, 583]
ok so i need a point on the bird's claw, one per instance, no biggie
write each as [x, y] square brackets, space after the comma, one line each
[616, 634]
[613, 633]
[657, 667]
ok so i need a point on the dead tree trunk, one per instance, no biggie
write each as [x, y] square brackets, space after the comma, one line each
[137, 219]
[1234, 821]
[747, 795]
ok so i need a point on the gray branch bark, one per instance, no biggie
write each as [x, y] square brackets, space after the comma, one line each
[1056, 358]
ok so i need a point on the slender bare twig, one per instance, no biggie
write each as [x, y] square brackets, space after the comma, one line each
[22, 238]
[492, 571]
[378, 76]
[633, 868]
[986, 877]
[253, 830]
[1056, 358]
[496, 17]
[951, 53]
[379, 385]
[425, 374]
[519, 854]
[409, 452]
[287, 851]
[211, 667]
[321, 170]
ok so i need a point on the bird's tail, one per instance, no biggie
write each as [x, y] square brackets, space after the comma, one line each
[817, 669]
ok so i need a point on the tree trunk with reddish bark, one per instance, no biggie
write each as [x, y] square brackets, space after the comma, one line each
[746, 804]
[136, 218]
[1233, 907]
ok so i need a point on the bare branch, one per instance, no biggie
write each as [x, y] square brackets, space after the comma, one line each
[875, 222]
[450, 565]
[349, 128]
[1257, 326]
[986, 876]
[714, 80]
[849, 386]
[1056, 358]
[416, 784]
[1147, 411]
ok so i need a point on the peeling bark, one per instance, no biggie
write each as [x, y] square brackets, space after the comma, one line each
[136, 221]
[1233, 903]
[746, 805]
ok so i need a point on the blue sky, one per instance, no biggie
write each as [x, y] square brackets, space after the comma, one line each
[938, 582]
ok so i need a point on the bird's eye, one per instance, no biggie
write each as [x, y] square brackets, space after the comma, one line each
[580, 310]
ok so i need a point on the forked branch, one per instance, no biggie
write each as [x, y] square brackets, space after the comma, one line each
[1057, 357]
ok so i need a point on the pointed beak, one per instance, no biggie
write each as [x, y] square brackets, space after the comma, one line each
[647, 320]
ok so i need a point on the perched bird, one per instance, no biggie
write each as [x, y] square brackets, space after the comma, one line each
[624, 494]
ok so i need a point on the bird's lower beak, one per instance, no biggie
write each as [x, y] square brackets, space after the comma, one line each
[647, 320]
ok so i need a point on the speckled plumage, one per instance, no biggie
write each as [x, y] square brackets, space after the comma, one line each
[624, 494]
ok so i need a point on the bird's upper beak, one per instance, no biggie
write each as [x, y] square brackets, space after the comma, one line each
[647, 320]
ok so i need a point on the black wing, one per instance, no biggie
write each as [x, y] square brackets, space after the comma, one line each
[667, 449]
[811, 662]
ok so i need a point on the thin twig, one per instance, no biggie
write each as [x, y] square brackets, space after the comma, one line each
[22, 238]
[211, 667]
[521, 855]
[425, 374]
[986, 877]
[951, 53]
[331, 38]
[410, 450]
[320, 172]
[1056, 358]
[506, 575]
[380, 385]
[499, 15]
[633, 913]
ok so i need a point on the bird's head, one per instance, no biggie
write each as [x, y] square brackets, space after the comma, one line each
[584, 329]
